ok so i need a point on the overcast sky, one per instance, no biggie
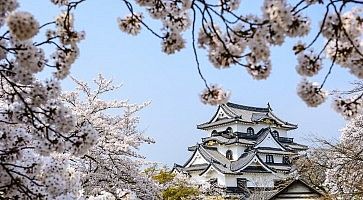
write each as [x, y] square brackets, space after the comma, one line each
[173, 85]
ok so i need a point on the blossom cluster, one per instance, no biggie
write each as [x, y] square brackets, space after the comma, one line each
[22, 25]
[311, 93]
[68, 37]
[173, 15]
[214, 95]
[131, 24]
[6, 7]
[309, 63]
[350, 107]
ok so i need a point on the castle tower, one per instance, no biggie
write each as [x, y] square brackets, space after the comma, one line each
[246, 147]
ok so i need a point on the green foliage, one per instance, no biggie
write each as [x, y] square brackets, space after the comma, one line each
[164, 177]
[179, 192]
[175, 188]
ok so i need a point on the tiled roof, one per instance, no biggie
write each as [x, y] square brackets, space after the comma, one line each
[197, 167]
[254, 139]
[214, 156]
[242, 161]
[274, 151]
[279, 166]
[244, 114]
[296, 146]
[313, 194]
[219, 123]
[255, 169]
[222, 140]
[219, 162]
[249, 108]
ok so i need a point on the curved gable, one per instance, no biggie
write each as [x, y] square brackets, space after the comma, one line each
[221, 113]
[210, 169]
[196, 158]
[268, 140]
[256, 161]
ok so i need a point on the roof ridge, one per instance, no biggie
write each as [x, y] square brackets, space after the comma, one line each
[242, 160]
[226, 109]
[306, 183]
[250, 108]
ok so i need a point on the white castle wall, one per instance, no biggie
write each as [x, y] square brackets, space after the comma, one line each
[277, 157]
[259, 180]
[236, 149]
[243, 128]
[253, 180]
[197, 159]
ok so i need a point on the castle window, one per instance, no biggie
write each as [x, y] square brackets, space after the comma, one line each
[241, 182]
[229, 155]
[269, 159]
[275, 134]
[214, 133]
[250, 131]
[285, 160]
[229, 130]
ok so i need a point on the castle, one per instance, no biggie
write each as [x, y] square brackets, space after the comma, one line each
[246, 147]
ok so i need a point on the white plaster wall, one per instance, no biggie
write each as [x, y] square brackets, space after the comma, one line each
[236, 149]
[223, 128]
[259, 180]
[243, 128]
[197, 159]
[240, 150]
[199, 179]
[253, 180]
[223, 149]
[215, 174]
[277, 157]
[221, 179]
[231, 181]
[257, 127]
[282, 132]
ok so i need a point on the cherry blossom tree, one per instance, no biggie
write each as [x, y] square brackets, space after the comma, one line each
[337, 168]
[344, 175]
[112, 165]
[38, 132]
[311, 166]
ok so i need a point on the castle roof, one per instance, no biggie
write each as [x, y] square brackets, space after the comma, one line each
[247, 162]
[297, 189]
[283, 145]
[230, 113]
